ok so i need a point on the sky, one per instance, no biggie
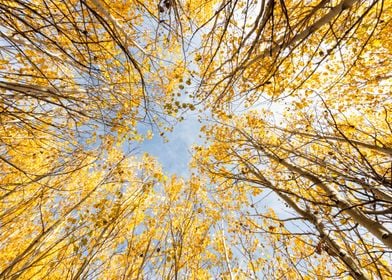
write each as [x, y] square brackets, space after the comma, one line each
[174, 155]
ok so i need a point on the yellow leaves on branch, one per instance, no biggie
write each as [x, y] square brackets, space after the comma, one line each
[114, 213]
[298, 94]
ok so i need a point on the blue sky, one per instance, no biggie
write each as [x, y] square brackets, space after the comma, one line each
[174, 155]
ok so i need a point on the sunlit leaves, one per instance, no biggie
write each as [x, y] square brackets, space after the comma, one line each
[292, 181]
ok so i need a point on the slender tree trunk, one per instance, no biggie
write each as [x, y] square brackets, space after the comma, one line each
[378, 230]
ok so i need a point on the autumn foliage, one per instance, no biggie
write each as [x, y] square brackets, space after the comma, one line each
[293, 179]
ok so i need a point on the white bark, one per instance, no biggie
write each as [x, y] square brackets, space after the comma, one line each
[378, 230]
[354, 269]
[327, 18]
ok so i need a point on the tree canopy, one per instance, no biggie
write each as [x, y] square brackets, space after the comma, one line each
[292, 179]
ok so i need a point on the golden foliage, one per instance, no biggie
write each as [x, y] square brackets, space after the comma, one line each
[293, 180]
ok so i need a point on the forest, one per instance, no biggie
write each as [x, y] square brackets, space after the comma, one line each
[290, 169]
